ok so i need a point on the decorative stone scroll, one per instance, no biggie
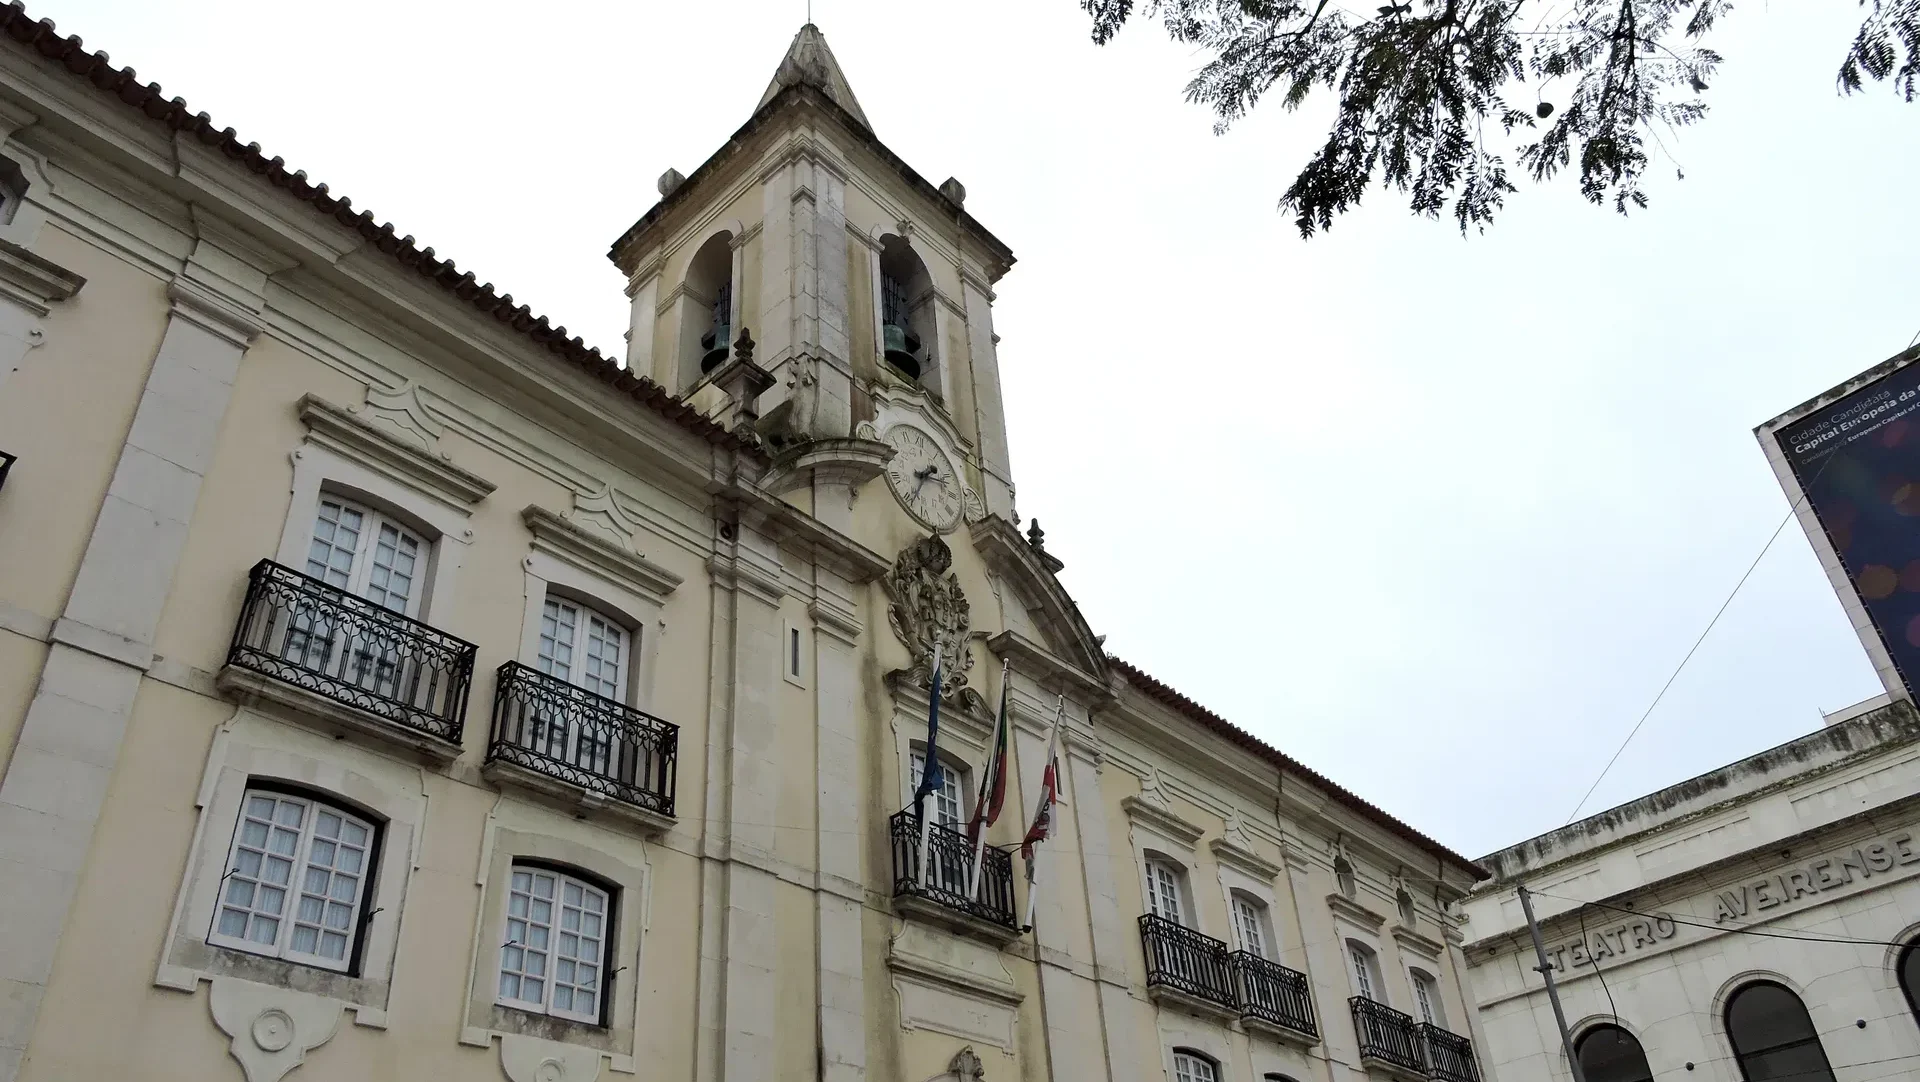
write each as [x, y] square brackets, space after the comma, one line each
[273, 1029]
[928, 607]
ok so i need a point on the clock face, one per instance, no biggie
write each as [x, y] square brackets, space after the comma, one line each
[923, 477]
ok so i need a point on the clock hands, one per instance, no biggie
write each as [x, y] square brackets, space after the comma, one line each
[925, 474]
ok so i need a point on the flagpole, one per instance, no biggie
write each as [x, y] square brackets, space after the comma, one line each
[987, 782]
[929, 763]
[1046, 797]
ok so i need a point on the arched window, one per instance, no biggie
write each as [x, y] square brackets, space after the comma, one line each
[1191, 1066]
[1251, 926]
[706, 309]
[1275, 1078]
[1773, 1037]
[296, 885]
[1910, 976]
[1611, 1054]
[1166, 890]
[1364, 966]
[553, 956]
[906, 309]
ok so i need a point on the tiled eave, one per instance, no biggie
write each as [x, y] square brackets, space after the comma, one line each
[173, 115]
[1207, 719]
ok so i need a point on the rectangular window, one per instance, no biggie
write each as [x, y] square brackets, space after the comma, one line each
[296, 880]
[554, 958]
[1163, 891]
[1246, 919]
[946, 802]
[1362, 971]
[793, 651]
[1426, 997]
[370, 557]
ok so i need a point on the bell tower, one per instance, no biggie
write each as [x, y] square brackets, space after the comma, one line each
[867, 290]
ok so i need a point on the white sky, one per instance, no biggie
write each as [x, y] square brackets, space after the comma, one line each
[1436, 516]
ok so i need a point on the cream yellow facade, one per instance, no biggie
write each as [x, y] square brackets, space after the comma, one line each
[363, 637]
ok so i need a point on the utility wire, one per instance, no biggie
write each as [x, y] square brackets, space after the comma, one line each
[1805, 491]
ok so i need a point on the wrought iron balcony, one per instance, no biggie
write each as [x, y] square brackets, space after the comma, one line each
[589, 743]
[1449, 1055]
[949, 864]
[1387, 1035]
[1183, 961]
[6, 463]
[1270, 993]
[337, 650]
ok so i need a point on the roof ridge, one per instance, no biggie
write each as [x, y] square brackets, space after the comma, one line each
[148, 99]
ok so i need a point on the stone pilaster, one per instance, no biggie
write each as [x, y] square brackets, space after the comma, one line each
[990, 416]
[841, 834]
[1321, 954]
[803, 268]
[738, 940]
[1110, 927]
[102, 642]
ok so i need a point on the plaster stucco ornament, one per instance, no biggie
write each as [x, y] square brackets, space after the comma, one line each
[966, 1066]
[928, 607]
[273, 1029]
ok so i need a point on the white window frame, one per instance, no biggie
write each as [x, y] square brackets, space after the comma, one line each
[579, 648]
[954, 779]
[622, 588]
[1363, 969]
[1167, 890]
[1189, 1066]
[301, 865]
[1251, 926]
[555, 932]
[363, 563]
[1426, 998]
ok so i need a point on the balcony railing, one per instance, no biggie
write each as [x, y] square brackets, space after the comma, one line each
[1270, 992]
[324, 640]
[1186, 961]
[6, 463]
[949, 863]
[569, 734]
[1387, 1035]
[1449, 1055]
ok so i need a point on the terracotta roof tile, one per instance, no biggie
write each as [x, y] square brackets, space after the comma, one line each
[173, 113]
[1160, 692]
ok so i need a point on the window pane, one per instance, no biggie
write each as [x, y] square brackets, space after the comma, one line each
[557, 623]
[1773, 1037]
[336, 536]
[1611, 1054]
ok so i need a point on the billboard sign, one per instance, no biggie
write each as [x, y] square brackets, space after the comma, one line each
[1856, 462]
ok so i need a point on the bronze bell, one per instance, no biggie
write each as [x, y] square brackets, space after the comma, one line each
[902, 349]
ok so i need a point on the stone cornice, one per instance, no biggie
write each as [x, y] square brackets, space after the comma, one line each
[1000, 544]
[212, 313]
[32, 281]
[1243, 859]
[1353, 912]
[840, 623]
[563, 540]
[789, 525]
[1046, 668]
[1162, 821]
[331, 426]
[1421, 945]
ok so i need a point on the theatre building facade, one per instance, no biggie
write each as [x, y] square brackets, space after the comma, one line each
[1761, 921]
[393, 687]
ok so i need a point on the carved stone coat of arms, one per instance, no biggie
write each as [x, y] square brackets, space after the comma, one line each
[928, 607]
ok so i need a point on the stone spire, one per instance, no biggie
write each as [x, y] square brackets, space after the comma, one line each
[809, 61]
